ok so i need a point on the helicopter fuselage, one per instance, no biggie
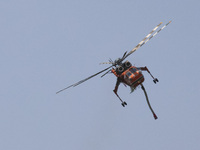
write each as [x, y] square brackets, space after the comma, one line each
[132, 77]
[128, 74]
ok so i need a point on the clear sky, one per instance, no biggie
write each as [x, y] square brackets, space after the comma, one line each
[47, 45]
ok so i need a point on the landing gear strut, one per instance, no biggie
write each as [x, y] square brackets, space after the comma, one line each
[154, 115]
[123, 102]
[115, 91]
[146, 69]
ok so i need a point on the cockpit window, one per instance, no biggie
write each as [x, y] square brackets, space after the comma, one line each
[128, 74]
[133, 70]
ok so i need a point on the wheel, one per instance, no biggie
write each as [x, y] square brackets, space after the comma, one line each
[155, 80]
[124, 103]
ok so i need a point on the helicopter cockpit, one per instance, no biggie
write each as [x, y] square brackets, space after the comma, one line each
[133, 75]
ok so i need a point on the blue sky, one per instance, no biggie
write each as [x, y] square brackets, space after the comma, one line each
[48, 45]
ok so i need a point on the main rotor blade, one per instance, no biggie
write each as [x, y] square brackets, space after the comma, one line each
[106, 73]
[73, 85]
[155, 33]
[124, 55]
[139, 45]
[105, 63]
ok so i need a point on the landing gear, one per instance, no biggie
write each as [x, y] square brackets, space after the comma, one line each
[115, 91]
[155, 80]
[146, 69]
[124, 104]
[154, 115]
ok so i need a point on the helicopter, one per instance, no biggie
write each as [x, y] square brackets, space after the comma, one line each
[127, 73]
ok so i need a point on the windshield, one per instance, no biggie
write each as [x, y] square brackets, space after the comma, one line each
[133, 70]
[128, 74]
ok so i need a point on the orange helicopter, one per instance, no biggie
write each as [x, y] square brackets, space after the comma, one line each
[126, 73]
